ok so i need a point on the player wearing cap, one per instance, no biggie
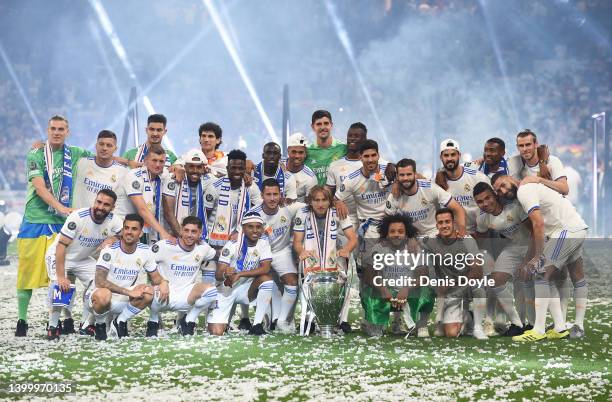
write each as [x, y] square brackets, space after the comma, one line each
[271, 168]
[326, 149]
[243, 269]
[558, 235]
[187, 197]
[305, 178]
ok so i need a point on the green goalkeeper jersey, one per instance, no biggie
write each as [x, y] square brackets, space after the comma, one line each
[320, 158]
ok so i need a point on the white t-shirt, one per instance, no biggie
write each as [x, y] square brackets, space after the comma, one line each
[212, 196]
[134, 184]
[92, 178]
[461, 190]
[557, 211]
[123, 268]
[86, 234]
[369, 193]
[254, 254]
[277, 227]
[305, 179]
[519, 169]
[421, 206]
[509, 223]
[179, 266]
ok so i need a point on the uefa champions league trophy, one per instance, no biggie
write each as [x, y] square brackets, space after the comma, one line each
[325, 295]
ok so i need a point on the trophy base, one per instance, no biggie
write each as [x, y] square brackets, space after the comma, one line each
[327, 331]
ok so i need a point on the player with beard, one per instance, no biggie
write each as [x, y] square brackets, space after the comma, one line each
[296, 155]
[244, 270]
[179, 264]
[271, 168]
[512, 223]
[340, 169]
[277, 228]
[558, 235]
[114, 291]
[326, 149]
[69, 257]
[454, 295]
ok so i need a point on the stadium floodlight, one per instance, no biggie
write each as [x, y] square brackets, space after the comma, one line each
[345, 41]
[231, 49]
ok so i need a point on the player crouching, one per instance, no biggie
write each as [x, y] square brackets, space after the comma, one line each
[117, 270]
[244, 266]
[180, 265]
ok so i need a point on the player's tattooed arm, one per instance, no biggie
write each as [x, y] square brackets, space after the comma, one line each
[103, 282]
[158, 280]
[60, 260]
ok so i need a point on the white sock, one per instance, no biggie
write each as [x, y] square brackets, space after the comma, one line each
[529, 292]
[344, 312]
[564, 295]
[277, 304]
[480, 306]
[287, 302]
[580, 296]
[128, 313]
[100, 318]
[264, 296]
[439, 309]
[505, 300]
[519, 299]
[244, 311]
[154, 310]
[491, 303]
[208, 297]
[542, 298]
[555, 308]
[54, 316]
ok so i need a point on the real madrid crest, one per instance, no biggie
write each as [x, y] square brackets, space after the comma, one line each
[509, 218]
[283, 219]
[467, 188]
[139, 262]
[114, 178]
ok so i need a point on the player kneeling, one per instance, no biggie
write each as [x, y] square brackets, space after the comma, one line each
[180, 266]
[117, 270]
[244, 267]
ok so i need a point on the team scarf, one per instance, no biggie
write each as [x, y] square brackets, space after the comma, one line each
[279, 176]
[325, 253]
[503, 168]
[141, 153]
[221, 230]
[185, 202]
[64, 193]
[151, 193]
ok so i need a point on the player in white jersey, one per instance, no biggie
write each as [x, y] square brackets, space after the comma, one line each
[141, 192]
[339, 169]
[114, 291]
[558, 235]
[277, 228]
[459, 181]
[187, 197]
[179, 264]
[305, 178]
[511, 222]
[271, 168]
[243, 269]
[420, 199]
[535, 165]
[70, 255]
[96, 173]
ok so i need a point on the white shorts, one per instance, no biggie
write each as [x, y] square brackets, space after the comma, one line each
[563, 247]
[118, 302]
[226, 299]
[452, 311]
[510, 259]
[283, 263]
[84, 270]
[208, 272]
[177, 299]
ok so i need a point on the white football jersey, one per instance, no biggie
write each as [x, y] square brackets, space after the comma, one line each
[134, 184]
[462, 191]
[305, 179]
[421, 206]
[212, 195]
[123, 268]
[254, 255]
[369, 193]
[179, 266]
[509, 223]
[86, 234]
[92, 178]
[277, 227]
[337, 173]
[558, 213]
[302, 222]
[290, 184]
[519, 169]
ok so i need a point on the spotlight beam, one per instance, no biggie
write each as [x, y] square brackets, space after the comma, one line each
[231, 49]
[348, 48]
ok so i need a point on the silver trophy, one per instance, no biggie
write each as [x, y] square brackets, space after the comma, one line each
[324, 292]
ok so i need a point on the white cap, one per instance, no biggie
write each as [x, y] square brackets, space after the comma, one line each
[252, 217]
[449, 143]
[297, 140]
[195, 156]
